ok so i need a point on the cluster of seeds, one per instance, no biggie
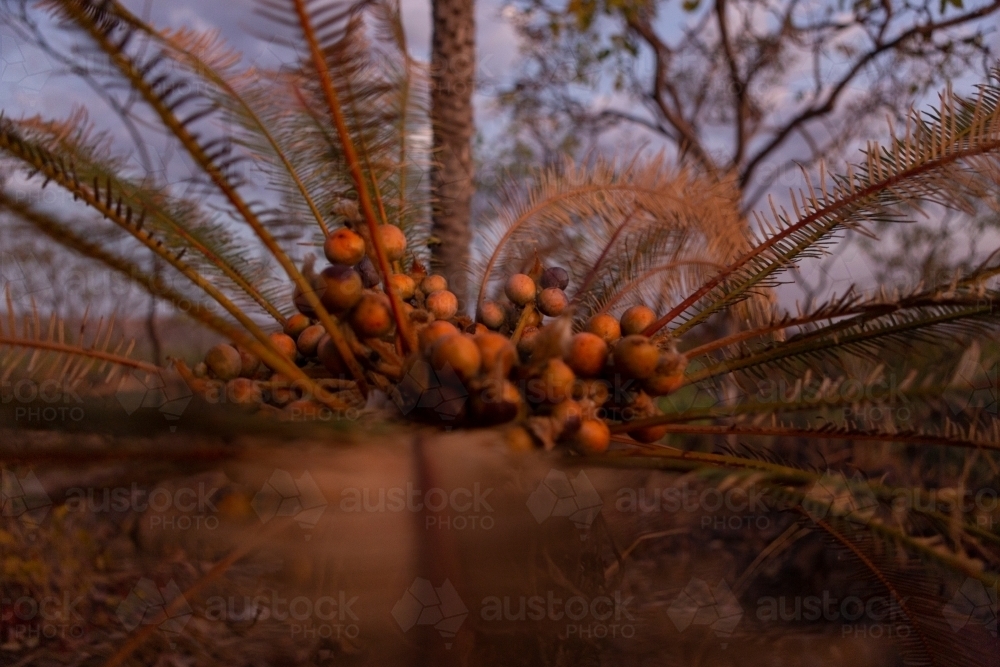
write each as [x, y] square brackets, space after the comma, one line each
[518, 361]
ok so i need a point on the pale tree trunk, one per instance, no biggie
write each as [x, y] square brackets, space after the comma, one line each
[452, 71]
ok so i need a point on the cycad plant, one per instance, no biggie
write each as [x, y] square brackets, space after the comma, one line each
[625, 310]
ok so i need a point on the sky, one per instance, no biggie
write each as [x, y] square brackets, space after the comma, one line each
[30, 81]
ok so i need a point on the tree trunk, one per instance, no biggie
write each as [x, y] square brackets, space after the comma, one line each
[452, 77]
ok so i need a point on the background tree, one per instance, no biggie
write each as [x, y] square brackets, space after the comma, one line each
[453, 64]
[747, 86]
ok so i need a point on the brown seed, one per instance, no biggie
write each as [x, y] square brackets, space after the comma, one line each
[526, 344]
[636, 319]
[460, 353]
[296, 324]
[442, 304]
[433, 283]
[567, 416]
[243, 391]
[393, 241]
[369, 274]
[552, 301]
[281, 390]
[308, 340]
[224, 361]
[372, 318]
[404, 285]
[519, 440]
[648, 434]
[479, 328]
[249, 362]
[635, 357]
[594, 437]
[434, 331]
[302, 303]
[496, 403]
[557, 381]
[588, 354]
[669, 375]
[555, 277]
[344, 247]
[284, 344]
[492, 314]
[497, 352]
[520, 289]
[326, 352]
[596, 391]
[339, 287]
[606, 327]
[200, 369]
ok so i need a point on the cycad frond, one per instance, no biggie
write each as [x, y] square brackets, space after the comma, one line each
[74, 157]
[609, 223]
[50, 350]
[948, 158]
